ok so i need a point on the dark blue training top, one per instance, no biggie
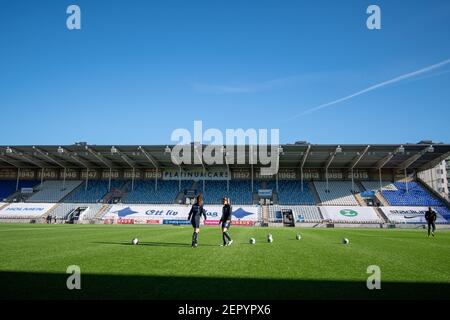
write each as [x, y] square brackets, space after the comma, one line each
[226, 213]
[196, 212]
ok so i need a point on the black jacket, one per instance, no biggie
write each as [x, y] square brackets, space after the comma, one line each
[197, 211]
[227, 211]
[430, 216]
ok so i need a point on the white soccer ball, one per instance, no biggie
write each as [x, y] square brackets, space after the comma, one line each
[298, 237]
[252, 241]
[269, 238]
[135, 241]
[345, 241]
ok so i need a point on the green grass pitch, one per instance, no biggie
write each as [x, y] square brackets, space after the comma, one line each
[34, 259]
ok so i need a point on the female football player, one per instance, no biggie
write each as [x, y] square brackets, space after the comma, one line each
[194, 215]
[225, 220]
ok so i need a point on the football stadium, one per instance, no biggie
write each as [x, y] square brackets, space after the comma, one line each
[120, 215]
[219, 158]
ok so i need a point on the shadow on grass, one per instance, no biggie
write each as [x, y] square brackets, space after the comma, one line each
[156, 244]
[21, 285]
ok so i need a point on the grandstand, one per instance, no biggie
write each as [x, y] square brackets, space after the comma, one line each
[309, 214]
[144, 192]
[290, 191]
[62, 210]
[9, 187]
[336, 193]
[375, 185]
[53, 190]
[239, 191]
[93, 191]
[319, 183]
[410, 194]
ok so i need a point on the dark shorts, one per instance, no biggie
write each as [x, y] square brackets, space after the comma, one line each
[226, 224]
[195, 222]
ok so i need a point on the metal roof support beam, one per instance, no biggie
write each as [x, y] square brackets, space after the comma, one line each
[358, 158]
[78, 160]
[435, 162]
[380, 164]
[305, 156]
[404, 165]
[99, 157]
[354, 162]
[10, 162]
[103, 160]
[151, 159]
[130, 163]
[45, 155]
[17, 155]
[155, 164]
[329, 161]
[48, 157]
[84, 165]
[126, 159]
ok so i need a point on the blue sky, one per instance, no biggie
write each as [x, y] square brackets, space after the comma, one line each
[137, 70]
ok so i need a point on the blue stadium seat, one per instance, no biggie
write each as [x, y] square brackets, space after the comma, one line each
[240, 192]
[8, 187]
[144, 191]
[444, 212]
[289, 191]
[416, 195]
[96, 190]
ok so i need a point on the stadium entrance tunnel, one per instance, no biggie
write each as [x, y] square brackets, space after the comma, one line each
[41, 286]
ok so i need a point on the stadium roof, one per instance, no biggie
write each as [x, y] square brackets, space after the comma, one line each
[419, 156]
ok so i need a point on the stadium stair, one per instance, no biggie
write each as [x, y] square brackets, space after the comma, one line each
[337, 193]
[275, 197]
[53, 191]
[180, 197]
[265, 216]
[48, 213]
[105, 208]
[255, 198]
[74, 191]
[195, 185]
[123, 189]
[381, 215]
[315, 193]
[360, 200]
[107, 197]
[13, 196]
[321, 214]
[381, 199]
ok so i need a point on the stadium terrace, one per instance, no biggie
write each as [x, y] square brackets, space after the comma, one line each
[316, 185]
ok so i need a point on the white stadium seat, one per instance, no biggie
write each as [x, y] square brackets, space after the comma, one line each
[339, 193]
[53, 190]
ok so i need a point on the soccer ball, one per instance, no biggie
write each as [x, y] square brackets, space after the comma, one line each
[345, 241]
[252, 241]
[269, 238]
[135, 241]
[298, 237]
